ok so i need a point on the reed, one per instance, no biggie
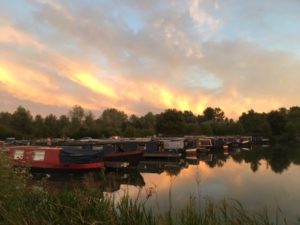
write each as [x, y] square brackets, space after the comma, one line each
[22, 206]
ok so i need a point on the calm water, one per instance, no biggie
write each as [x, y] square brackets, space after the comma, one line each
[258, 178]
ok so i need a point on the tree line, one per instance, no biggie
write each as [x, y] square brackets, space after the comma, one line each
[283, 124]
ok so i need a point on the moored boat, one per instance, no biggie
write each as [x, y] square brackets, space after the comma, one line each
[114, 154]
[54, 158]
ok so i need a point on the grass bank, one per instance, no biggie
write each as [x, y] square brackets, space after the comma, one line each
[22, 206]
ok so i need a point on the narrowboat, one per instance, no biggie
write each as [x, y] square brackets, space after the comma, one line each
[190, 147]
[204, 144]
[83, 157]
[54, 158]
[151, 148]
[114, 154]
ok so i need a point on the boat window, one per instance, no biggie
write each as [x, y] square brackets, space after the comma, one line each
[141, 147]
[19, 154]
[39, 155]
[97, 148]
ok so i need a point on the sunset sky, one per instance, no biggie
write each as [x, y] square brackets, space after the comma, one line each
[140, 56]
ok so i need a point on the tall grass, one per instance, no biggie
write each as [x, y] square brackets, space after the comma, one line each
[22, 206]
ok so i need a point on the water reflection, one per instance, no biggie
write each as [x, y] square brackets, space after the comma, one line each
[171, 166]
[258, 177]
[109, 181]
[276, 158]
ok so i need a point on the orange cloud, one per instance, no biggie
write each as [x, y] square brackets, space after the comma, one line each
[94, 84]
[10, 35]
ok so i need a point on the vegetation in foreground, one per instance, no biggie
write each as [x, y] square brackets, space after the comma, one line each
[20, 205]
[282, 124]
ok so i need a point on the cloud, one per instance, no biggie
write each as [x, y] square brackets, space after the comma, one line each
[201, 16]
[99, 61]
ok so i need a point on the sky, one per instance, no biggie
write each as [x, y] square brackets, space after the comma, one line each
[141, 56]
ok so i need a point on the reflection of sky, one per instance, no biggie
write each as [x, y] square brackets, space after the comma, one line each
[232, 181]
[152, 55]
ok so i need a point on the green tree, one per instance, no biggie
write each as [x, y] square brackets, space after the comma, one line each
[21, 122]
[170, 122]
[114, 121]
[215, 114]
[39, 127]
[255, 123]
[277, 121]
[63, 125]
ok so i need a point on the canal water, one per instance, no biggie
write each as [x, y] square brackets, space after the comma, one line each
[258, 178]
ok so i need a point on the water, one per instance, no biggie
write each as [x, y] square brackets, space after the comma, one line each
[258, 178]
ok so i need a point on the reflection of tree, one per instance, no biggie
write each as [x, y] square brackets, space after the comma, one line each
[278, 157]
[253, 157]
[279, 160]
[218, 159]
[254, 166]
[238, 158]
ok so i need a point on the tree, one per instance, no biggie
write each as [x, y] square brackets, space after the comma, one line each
[39, 127]
[209, 114]
[89, 125]
[219, 114]
[170, 122]
[277, 121]
[5, 118]
[148, 124]
[215, 114]
[77, 114]
[63, 123]
[255, 123]
[114, 121]
[21, 122]
[51, 125]
[191, 125]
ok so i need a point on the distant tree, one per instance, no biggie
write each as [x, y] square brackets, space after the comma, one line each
[293, 124]
[206, 128]
[255, 123]
[277, 121]
[5, 118]
[219, 114]
[51, 125]
[90, 126]
[215, 114]
[39, 127]
[170, 122]
[191, 125]
[21, 122]
[6, 129]
[77, 115]
[148, 124]
[63, 125]
[114, 121]
[209, 114]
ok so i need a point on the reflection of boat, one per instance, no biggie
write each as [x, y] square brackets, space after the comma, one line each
[173, 167]
[108, 181]
[192, 160]
[123, 159]
[205, 157]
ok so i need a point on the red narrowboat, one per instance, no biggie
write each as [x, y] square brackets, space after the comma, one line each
[54, 158]
[71, 158]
